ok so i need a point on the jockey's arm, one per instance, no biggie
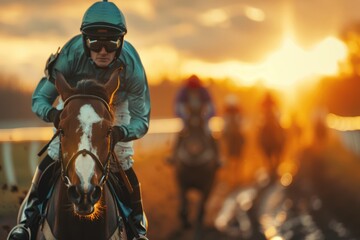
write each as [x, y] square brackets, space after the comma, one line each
[181, 110]
[138, 97]
[209, 105]
[209, 110]
[43, 98]
[139, 108]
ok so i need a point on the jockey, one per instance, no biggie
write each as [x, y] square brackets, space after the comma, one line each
[95, 54]
[193, 94]
[269, 106]
[233, 118]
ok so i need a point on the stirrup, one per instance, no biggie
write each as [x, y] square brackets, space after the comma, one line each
[19, 226]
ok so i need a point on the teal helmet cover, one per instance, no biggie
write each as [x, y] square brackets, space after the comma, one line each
[103, 20]
[103, 15]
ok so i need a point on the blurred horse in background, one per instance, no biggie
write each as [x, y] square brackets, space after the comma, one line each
[271, 136]
[196, 162]
[233, 137]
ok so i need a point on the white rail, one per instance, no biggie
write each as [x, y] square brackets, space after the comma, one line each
[160, 134]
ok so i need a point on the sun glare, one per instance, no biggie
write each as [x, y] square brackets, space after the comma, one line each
[283, 69]
[341, 123]
[160, 62]
[214, 17]
[291, 64]
[254, 14]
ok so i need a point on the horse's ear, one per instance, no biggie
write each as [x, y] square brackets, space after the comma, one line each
[62, 86]
[113, 84]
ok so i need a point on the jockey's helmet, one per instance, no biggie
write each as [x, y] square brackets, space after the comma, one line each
[193, 82]
[103, 21]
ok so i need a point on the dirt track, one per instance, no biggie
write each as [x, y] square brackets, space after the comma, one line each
[160, 200]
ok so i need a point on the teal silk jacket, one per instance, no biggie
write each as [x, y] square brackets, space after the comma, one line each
[75, 65]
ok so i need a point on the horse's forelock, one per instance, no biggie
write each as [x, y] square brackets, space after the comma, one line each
[91, 87]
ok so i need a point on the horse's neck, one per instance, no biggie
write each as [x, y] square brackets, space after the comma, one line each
[60, 216]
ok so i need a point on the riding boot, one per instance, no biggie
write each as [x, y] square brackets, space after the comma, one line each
[137, 215]
[137, 218]
[30, 214]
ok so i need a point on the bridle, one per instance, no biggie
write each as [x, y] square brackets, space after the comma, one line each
[104, 167]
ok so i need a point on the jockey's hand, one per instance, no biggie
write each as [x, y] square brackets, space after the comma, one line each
[54, 117]
[117, 134]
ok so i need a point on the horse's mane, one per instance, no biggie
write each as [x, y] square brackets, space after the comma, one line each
[91, 87]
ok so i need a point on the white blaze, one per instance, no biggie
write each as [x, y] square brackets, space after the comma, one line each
[85, 165]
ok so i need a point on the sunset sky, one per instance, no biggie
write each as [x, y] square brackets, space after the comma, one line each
[274, 42]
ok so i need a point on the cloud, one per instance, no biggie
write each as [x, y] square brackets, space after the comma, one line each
[212, 31]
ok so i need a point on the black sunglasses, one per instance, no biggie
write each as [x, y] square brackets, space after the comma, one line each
[97, 45]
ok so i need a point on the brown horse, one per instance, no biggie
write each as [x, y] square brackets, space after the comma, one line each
[82, 204]
[196, 163]
[233, 137]
[272, 139]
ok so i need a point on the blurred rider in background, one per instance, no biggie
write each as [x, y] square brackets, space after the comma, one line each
[193, 94]
[193, 98]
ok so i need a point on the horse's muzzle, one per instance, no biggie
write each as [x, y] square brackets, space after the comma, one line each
[84, 201]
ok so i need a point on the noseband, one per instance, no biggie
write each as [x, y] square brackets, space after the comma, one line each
[104, 167]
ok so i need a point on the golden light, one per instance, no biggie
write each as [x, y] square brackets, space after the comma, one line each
[343, 123]
[286, 179]
[214, 17]
[143, 8]
[26, 134]
[284, 68]
[270, 232]
[277, 238]
[291, 64]
[27, 58]
[99, 209]
[254, 14]
[160, 61]
[12, 13]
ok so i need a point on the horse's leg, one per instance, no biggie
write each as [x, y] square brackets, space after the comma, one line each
[273, 166]
[236, 170]
[183, 210]
[205, 193]
[200, 218]
[202, 211]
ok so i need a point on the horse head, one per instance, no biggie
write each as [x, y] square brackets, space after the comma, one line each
[85, 140]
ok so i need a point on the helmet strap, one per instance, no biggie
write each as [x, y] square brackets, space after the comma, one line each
[118, 51]
[86, 49]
